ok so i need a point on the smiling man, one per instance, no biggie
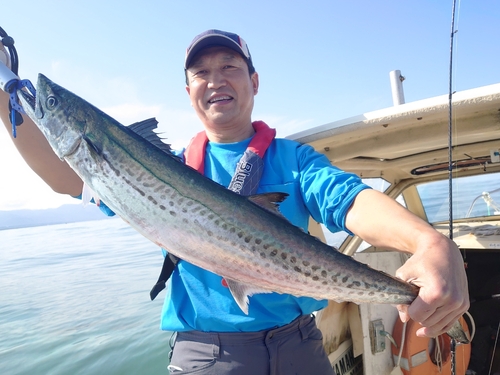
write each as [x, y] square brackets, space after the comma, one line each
[278, 334]
[222, 93]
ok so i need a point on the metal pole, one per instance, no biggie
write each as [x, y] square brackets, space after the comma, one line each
[397, 79]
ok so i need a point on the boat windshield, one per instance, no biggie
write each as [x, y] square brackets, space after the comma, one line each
[473, 196]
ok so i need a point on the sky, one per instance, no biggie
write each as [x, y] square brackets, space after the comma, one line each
[318, 61]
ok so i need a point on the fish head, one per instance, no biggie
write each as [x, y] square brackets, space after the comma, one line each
[58, 113]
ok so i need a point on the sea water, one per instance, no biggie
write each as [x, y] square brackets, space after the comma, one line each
[74, 299]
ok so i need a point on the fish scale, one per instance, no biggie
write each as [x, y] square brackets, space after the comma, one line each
[239, 238]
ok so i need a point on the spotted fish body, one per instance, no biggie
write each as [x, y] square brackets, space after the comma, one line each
[239, 238]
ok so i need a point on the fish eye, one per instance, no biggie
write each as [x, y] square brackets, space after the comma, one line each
[51, 102]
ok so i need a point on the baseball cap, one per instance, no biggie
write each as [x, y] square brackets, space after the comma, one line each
[212, 38]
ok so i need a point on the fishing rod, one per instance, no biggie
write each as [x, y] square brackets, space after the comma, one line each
[450, 160]
[450, 126]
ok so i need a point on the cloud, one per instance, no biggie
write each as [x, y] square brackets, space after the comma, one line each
[122, 99]
[127, 102]
[129, 112]
[285, 126]
[21, 188]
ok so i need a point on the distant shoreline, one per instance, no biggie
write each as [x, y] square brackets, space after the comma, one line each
[65, 214]
[54, 223]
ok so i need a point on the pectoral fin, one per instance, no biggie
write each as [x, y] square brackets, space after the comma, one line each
[88, 194]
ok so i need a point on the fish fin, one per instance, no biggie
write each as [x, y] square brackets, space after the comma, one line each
[269, 201]
[241, 292]
[88, 194]
[457, 333]
[146, 129]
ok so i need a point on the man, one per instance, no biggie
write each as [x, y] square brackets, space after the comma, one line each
[278, 336]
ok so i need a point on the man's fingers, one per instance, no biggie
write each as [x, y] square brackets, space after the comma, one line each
[443, 326]
[436, 322]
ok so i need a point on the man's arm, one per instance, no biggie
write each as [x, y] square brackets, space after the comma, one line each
[38, 154]
[436, 266]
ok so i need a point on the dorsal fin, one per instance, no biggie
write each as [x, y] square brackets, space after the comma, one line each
[146, 129]
[269, 201]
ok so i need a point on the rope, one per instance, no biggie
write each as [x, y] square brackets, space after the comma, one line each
[438, 355]
[473, 326]
[403, 338]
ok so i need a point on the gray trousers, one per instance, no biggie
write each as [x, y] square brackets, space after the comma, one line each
[294, 349]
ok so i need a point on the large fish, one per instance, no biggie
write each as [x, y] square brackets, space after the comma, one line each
[242, 239]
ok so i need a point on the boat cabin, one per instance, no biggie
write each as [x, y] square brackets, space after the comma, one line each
[408, 152]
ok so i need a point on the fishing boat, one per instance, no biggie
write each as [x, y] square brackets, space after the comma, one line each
[405, 152]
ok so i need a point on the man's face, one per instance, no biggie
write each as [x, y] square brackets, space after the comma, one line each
[221, 89]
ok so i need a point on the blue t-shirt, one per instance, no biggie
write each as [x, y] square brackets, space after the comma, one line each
[197, 300]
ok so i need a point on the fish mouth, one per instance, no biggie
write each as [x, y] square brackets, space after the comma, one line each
[28, 101]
